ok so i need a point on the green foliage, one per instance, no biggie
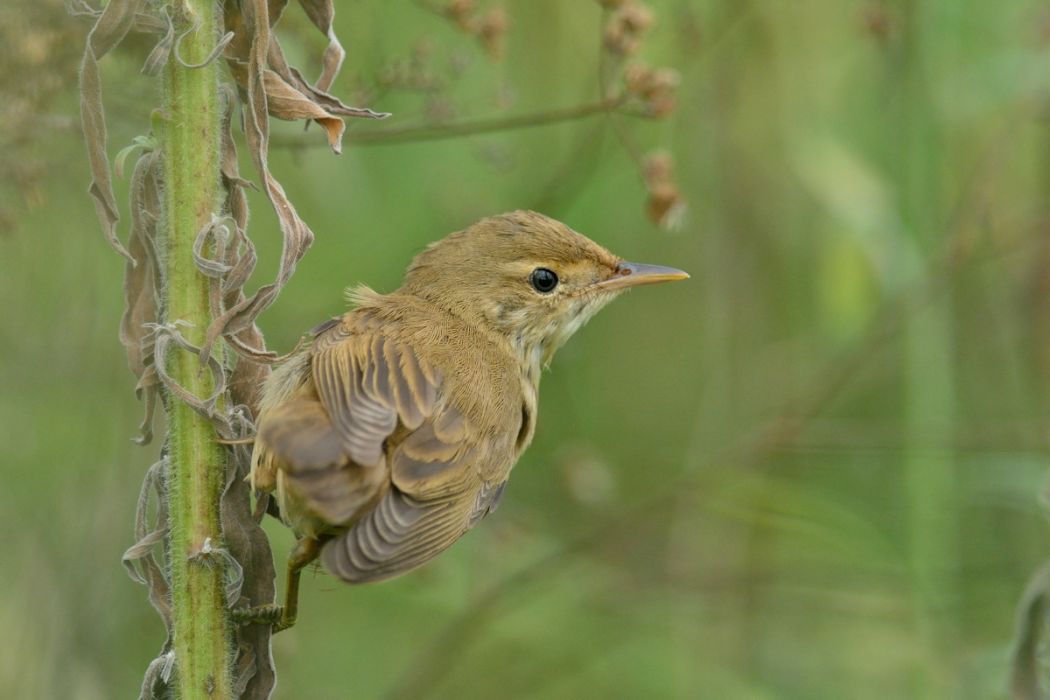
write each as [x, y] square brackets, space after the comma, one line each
[821, 456]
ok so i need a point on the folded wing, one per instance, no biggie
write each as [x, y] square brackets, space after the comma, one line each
[379, 448]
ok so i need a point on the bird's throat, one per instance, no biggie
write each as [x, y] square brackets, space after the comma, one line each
[532, 357]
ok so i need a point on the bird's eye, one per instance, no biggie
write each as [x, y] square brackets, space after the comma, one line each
[543, 280]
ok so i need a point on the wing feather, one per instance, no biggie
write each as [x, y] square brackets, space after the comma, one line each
[397, 536]
[371, 388]
[363, 415]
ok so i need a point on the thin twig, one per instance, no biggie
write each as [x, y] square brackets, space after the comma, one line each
[435, 132]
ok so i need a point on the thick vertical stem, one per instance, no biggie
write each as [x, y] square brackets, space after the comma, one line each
[191, 143]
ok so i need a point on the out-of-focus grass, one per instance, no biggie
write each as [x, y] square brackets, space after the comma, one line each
[817, 462]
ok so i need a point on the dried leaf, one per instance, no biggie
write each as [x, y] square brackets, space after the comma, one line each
[290, 97]
[112, 26]
[285, 102]
[144, 142]
[143, 567]
[248, 544]
[322, 14]
[218, 233]
[268, 86]
[164, 335]
[330, 103]
[145, 435]
[254, 37]
[158, 673]
[219, 47]
[158, 57]
[140, 284]
[252, 369]
[145, 22]
[211, 554]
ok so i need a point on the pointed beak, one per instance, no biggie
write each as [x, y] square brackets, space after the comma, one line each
[636, 274]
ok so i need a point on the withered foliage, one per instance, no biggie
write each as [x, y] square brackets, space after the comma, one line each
[266, 85]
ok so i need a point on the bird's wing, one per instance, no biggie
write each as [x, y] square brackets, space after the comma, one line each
[371, 387]
[329, 443]
[367, 383]
[403, 532]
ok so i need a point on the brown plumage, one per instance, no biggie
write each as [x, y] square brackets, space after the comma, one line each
[394, 430]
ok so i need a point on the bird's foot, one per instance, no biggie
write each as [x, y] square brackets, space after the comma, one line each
[269, 614]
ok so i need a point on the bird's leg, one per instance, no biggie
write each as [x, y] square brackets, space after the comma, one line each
[304, 552]
[283, 616]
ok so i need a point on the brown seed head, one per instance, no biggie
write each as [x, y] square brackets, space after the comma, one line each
[624, 31]
[655, 87]
[492, 31]
[665, 205]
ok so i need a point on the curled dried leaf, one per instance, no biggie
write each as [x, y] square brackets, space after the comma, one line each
[143, 567]
[285, 102]
[212, 55]
[158, 57]
[112, 25]
[217, 233]
[144, 142]
[322, 14]
[270, 86]
[249, 546]
[211, 554]
[141, 300]
[145, 21]
[167, 334]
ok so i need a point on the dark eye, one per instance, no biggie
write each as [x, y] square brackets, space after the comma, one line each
[543, 280]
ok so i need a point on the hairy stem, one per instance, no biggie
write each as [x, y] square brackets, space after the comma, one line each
[191, 142]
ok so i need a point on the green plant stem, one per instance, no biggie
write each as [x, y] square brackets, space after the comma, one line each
[191, 143]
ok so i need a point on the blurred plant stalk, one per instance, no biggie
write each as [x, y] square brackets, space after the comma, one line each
[191, 145]
[930, 476]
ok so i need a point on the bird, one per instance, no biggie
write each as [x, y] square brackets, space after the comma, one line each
[394, 428]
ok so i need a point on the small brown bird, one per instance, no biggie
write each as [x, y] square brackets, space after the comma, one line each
[395, 430]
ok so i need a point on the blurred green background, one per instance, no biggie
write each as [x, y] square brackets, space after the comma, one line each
[812, 471]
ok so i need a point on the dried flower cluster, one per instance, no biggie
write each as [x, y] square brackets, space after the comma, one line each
[626, 27]
[652, 92]
[878, 22]
[489, 27]
[665, 205]
[654, 87]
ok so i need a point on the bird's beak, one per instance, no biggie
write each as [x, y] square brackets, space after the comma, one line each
[636, 274]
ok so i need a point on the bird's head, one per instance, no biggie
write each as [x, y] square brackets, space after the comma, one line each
[526, 276]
